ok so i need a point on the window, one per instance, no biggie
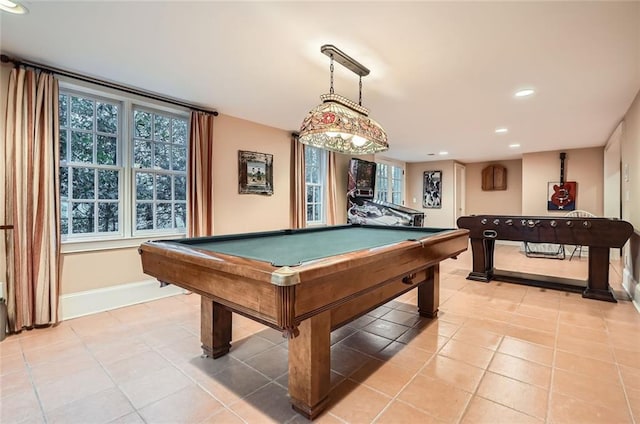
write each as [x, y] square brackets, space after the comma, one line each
[397, 175]
[389, 183]
[160, 168]
[90, 173]
[382, 182]
[122, 167]
[315, 177]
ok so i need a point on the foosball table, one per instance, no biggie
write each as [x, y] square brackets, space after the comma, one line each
[599, 234]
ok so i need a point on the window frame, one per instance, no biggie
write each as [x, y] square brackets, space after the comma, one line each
[79, 237]
[322, 178]
[155, 172]
[381, 177]
[389, 180]
[127, 236]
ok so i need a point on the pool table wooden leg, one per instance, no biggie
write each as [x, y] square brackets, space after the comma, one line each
[310, 365]
[215, 328]
[429, 293]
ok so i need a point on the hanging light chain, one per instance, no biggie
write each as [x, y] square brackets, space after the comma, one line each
[331, 91]
[331, 69]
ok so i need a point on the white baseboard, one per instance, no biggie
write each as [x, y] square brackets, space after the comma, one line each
[89, 302]
[632, 287]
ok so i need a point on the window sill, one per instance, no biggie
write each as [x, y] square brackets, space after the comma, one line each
[121, 243]
[316, 224]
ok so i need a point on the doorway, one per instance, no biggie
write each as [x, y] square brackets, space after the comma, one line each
[460, 187]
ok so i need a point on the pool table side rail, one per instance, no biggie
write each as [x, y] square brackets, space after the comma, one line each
[352, 275]
[233, 282]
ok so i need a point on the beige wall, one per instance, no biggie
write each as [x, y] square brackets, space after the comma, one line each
[586, 166]
[497, 202]
[437, 218]
[527, 181]
[630, 161]
[630, 187]
[237, 213]
[97, 269]
[342, 170]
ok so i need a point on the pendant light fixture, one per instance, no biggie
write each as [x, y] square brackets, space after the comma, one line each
[339, 124]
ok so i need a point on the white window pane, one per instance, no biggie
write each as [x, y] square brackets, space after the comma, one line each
[107, 217]
[178, 158]
[107, 118]
[64, 217]
[163, 187]
[161, 131]
[180, 215]
[163, 215]
[108, 183]
[179, 133]
[63, 110]
[309, 212]
[144, 186]
[82, 216]
[142, 124]
[161, 156]
[84, 183]
[142, 154]
[64, 182]
[180, 187]
[81, 147]
[63, 146]
[106, 150]
[144, 216]
[82, 113]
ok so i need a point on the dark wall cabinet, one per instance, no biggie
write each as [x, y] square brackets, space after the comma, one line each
[494, 177]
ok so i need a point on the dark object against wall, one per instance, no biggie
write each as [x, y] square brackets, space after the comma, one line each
[494, 177]
[432, 191]
[562, 195]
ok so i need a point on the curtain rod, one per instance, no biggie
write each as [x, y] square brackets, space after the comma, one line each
[17, 62]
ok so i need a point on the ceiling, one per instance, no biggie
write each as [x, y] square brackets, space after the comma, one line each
[442, 75]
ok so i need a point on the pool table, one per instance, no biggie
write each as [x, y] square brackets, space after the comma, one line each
[305, 283]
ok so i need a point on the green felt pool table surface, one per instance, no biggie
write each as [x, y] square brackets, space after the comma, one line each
[293, 247]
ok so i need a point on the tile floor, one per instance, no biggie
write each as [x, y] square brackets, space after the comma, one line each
[498, 353]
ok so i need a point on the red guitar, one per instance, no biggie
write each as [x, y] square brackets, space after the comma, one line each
[562, 194]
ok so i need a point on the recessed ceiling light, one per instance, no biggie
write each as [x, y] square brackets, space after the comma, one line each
[524, 93]
[12, 7]
[514, 145]
[443, 153]
[501, 130]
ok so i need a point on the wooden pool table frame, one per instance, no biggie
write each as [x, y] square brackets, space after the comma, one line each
[305, 302]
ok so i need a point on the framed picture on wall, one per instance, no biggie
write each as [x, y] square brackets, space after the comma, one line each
[432, 195]
[255, 173]
[561, 196]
